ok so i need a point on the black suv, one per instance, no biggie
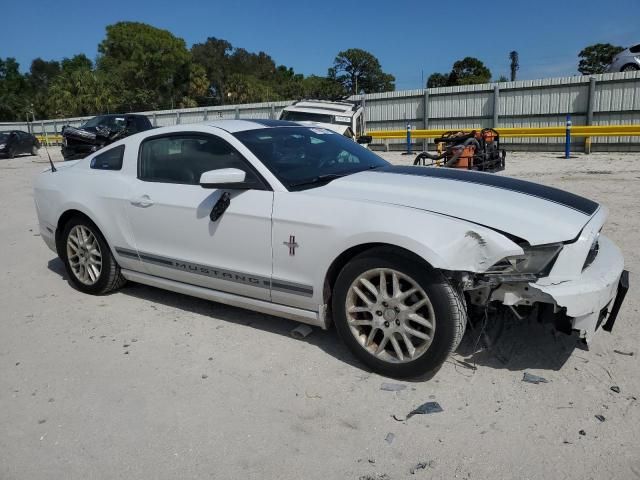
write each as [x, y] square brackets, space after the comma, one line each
[100, 131]
[15, 142]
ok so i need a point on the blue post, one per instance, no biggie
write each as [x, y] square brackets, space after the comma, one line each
[567, 140]
[408, 139]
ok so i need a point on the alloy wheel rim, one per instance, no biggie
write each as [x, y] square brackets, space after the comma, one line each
[84, 255]
[390, 315]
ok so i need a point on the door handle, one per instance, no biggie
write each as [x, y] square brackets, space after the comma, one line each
[143, 201]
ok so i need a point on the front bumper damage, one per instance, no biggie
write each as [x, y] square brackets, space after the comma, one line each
[590, 300]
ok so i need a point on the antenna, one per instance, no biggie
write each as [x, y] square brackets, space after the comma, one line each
[53, 167]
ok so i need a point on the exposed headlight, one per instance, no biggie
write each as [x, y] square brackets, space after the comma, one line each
[535, 260]
[343, 119]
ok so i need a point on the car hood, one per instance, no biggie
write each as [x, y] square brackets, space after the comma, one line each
[532, 212]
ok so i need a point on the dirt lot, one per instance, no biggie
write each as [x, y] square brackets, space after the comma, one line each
[145, 383]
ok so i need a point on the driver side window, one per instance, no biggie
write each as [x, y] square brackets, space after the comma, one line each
[183, 158]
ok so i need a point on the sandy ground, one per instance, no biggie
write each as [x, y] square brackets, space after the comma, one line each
[145, 383]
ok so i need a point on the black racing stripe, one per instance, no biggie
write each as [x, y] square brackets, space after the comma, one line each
[153, 258]
[219, 274]
[570, 200]
[127, 253]
[273, 123]
[287, 287]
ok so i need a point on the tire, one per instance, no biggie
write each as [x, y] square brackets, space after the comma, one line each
[34, 149]
[443, 303]
[95, 281]
[11, 153]
[630, 67]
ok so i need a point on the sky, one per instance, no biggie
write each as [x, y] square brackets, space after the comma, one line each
[412, 39]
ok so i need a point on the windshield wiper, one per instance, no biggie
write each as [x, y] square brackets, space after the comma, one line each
[319, 179]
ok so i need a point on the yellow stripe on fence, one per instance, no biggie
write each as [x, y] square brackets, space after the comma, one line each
[505, 132]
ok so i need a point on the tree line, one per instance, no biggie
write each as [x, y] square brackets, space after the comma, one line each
[140, 67]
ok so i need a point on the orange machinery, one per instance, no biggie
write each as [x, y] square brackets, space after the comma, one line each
[475, 150]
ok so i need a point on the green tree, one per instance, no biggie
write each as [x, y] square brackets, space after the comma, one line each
[42, 73]
[596, 58]
[14, 102]
[358, 70]
[322, 88]
[81, 92]
[213, 55]
[150, 66]
[436, 80]
[77, 62]
[469, 71]
[246, 89]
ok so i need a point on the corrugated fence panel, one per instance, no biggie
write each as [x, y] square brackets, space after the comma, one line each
[460, 105]
[539, 101]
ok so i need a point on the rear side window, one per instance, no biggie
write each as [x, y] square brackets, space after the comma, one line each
[109, 160]
[182, 158]
[635, 49]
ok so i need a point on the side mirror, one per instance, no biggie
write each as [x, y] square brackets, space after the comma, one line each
[223, 178]
[365, 139]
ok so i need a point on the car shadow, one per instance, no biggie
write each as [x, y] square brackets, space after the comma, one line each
[525, 345]
[327, 340]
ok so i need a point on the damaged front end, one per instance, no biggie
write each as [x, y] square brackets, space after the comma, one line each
[578, 285]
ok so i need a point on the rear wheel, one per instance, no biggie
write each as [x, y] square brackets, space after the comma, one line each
[87, 258]
[34, 149]
[399, 317]
[630, 67]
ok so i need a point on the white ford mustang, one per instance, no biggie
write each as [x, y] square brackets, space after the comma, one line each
[302, 223]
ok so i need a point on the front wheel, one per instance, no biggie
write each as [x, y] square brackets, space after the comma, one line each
[630, 68]
[87, 258]
[400, 317]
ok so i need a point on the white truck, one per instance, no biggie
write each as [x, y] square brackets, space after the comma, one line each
[346, 118]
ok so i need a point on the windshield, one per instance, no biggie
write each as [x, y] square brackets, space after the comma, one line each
[304, 157]
[113, 122]
[306, 116]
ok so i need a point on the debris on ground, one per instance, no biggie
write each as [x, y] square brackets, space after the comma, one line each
[397, 418]
[421, 466]
[205, 376]
[601, 418]
[615, 388]
[426, 408]
[375, 476]
[531, 378]
[392, 387]
[301, 331]
[389, 438]
[621, 352]
[312, 395]
[582, 432]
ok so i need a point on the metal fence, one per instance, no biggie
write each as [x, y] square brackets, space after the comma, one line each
[606, 99]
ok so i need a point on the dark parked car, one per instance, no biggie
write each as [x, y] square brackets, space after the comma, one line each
[100, 131]
[15, 142]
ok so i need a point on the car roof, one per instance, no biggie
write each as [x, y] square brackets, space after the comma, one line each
[233, 126]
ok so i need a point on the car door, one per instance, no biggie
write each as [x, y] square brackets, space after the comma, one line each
[170, 216]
